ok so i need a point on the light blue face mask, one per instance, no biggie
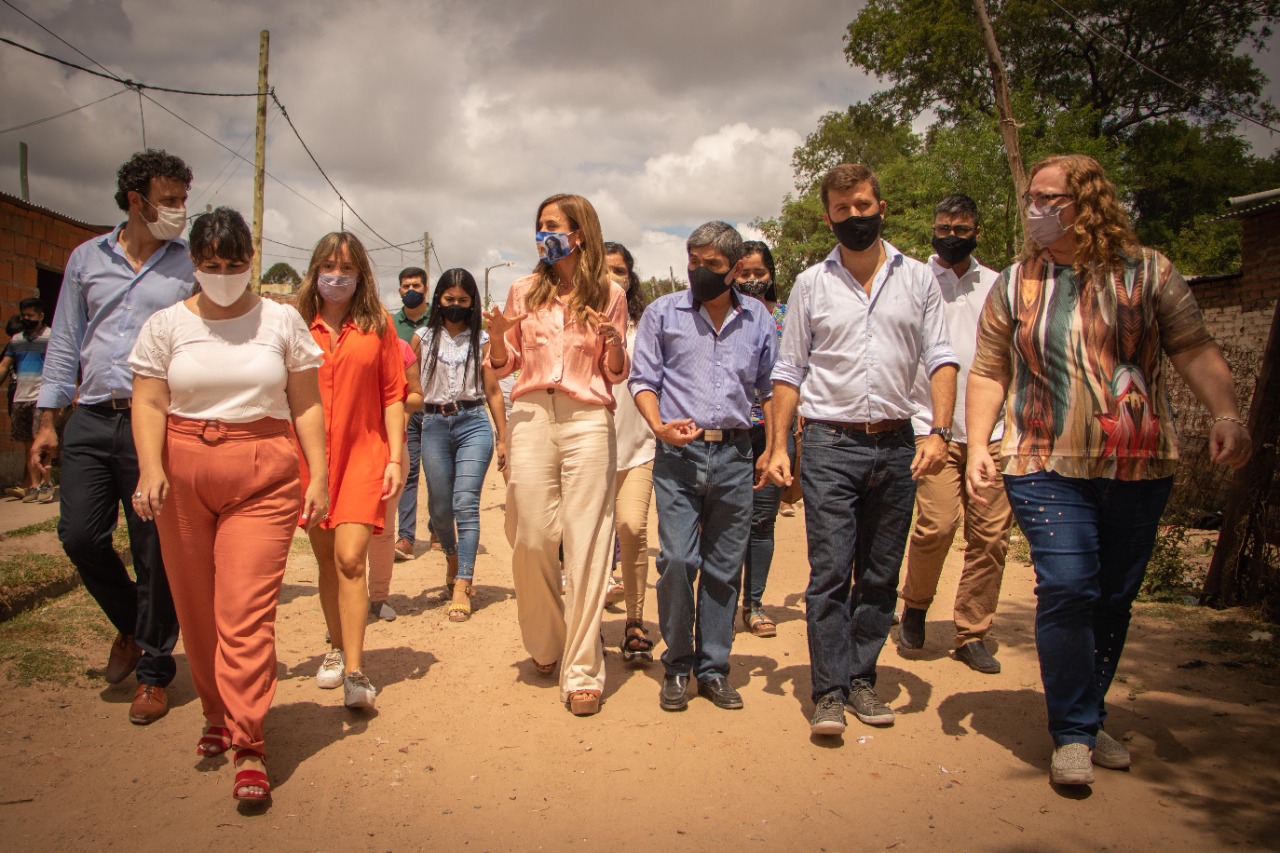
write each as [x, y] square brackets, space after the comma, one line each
[553, 246]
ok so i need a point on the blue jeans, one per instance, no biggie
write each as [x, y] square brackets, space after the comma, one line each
[407, 524]
[703, 492]
[456, 450]
[764, 515]
[1090, 542]
[858, 498]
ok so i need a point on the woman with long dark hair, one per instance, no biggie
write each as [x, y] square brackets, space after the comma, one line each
[562, 328]
[457, 440]
[363, 386]
[635, 474]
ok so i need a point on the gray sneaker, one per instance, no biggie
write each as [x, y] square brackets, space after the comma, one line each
[382, 610]
[44, 493]
[30, 495]
[357, 692]
[1110, 753]
[1071, 765]
[867, 707]
[329, 675]
[828, 717]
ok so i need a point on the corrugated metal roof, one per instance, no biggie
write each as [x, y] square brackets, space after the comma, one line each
[14, 200]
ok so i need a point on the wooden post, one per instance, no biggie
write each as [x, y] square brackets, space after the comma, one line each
[260, 158]
[426, 258]
[1004, 107]
[22, 171]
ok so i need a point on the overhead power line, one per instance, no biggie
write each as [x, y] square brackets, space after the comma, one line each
[63, 113]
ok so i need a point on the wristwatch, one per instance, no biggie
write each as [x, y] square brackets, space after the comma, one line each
[945, 432]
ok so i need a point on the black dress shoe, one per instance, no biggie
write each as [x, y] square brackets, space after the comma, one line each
[911, 632]
[975, 654]
[675, 692]
[721, 693]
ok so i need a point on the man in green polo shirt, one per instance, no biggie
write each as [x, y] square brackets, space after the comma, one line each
[413, 292]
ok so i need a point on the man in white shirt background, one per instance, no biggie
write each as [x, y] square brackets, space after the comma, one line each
[860, 325]
[941, 499]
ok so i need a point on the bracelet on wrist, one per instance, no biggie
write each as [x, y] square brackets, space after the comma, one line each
[1231, 418]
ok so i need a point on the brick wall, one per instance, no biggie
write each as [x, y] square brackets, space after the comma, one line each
[1239, 314]
[30, 237]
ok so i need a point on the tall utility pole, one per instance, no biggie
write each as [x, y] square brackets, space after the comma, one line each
[22, 171]
[426, 256]
[1004, 108]
[260, 158]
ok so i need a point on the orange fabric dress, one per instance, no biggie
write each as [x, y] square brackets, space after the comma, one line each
[360, 377]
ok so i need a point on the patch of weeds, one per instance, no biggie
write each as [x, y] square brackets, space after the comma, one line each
[120, 537]
[1228, 636]
[301, 546]
[48, 644]
[1168, 576]
[49, 525]
[1019, 547]
[23, 573]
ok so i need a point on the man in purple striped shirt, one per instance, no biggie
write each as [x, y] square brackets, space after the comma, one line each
[700, 356]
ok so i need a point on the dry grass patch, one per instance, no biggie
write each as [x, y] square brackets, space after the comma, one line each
[55, 643]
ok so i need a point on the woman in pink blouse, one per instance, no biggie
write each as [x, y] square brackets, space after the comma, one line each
[561, 330]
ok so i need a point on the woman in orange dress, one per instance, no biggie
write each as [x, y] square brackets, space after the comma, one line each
[363, 389]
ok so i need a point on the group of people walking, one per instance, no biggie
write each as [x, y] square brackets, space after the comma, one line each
[224, 422]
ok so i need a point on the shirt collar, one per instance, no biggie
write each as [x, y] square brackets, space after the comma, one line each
[892, 258]
[736, 302]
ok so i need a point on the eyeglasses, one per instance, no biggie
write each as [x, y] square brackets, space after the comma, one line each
[1047, 199]
[961, 231]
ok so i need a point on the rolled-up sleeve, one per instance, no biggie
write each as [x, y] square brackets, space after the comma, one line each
[62, 358]
[646, 364]
[792, 363]
[768, 332]
[936, 348]
[992, 355]
[515, 353]
[617, 317]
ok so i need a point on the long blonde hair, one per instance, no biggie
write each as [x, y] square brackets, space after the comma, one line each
[366, 309]
[1104, 235]
[590, 280]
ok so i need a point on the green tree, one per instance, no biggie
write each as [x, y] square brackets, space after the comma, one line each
[281, 273]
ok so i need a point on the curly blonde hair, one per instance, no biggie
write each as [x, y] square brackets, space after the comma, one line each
[590, 280]
[366, 309]
[1104, 235]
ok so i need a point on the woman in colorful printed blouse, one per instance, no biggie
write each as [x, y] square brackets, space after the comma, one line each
[1073, 336]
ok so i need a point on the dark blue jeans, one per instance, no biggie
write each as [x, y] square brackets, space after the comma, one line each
[703, 492]
[1090, 542]
[858, 499]
[456, 451]
[99, 473]
[407, 523]
[764, 514]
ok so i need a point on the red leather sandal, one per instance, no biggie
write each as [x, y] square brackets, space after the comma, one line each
[251, 777]
[214, 741]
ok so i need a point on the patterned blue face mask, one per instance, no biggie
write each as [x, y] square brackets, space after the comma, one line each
[552, 246]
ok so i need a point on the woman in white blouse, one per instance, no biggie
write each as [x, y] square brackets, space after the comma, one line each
[217, 379]
[457, 441]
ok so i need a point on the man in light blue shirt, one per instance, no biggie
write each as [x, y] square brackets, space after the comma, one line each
[700, 357]
[860, 324]
[111, 286]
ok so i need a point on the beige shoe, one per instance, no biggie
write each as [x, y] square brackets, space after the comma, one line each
[1071, 765]
[1110, 753]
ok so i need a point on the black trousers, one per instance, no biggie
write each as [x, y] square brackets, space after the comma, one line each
[99, 473]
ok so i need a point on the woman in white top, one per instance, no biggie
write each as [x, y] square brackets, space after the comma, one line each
[635, 474]
[217, 379]
[457, 441]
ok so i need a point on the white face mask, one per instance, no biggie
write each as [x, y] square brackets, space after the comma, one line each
[169, 221]
[223, 290]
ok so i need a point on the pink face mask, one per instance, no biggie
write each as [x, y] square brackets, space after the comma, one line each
[336, 288]
[1045, 224]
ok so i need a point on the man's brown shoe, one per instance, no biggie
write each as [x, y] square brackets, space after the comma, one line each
[124, 657]
[150, 703]
[404, 550]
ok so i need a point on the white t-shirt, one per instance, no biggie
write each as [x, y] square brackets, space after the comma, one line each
[962, 301]
[234, 370]
[636, 444]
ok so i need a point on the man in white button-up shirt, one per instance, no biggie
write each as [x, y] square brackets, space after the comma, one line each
[941, 499]
[860, 325]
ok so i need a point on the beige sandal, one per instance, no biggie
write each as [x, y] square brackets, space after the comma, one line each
[584, 703]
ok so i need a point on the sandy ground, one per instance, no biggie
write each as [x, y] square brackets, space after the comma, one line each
[470, 749]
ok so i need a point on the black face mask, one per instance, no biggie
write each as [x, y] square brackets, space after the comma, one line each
[707, 285]
[413, 298]
[29, 324]
[953, 249]
[752, 287]
[455, 313]
[857, 233]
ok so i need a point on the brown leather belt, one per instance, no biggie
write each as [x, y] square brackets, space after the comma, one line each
[450, 408]
[723, 436]
[863, 428]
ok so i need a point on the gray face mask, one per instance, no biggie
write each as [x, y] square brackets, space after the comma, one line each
[1044, 224]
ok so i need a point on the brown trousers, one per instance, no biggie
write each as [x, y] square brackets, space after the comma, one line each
[941, 502]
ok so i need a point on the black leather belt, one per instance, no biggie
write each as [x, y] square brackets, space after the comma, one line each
[450, 408]
[107, 407]
[723, 436]
[849, 427]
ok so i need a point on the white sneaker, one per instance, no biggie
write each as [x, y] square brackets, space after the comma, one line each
[357, 692]
[329, 675]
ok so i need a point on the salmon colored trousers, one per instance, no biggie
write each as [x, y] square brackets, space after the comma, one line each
[225, 531]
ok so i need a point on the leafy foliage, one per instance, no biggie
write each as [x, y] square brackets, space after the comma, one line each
[281, 273]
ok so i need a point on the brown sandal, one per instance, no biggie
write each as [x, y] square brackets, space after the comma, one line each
[584, 703]
[544, 668]
[758, 623]
[462, 612]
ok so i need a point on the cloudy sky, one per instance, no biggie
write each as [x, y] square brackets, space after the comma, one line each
[454, 117]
